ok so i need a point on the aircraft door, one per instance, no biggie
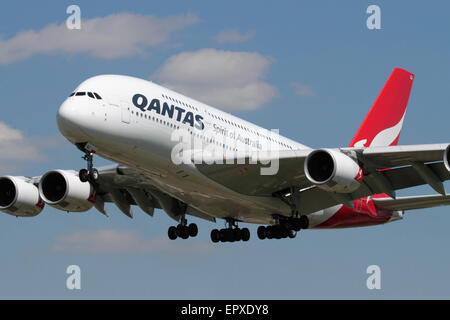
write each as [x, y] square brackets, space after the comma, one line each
[126, 112]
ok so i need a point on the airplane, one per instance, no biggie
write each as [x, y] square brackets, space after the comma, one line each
[192, 160]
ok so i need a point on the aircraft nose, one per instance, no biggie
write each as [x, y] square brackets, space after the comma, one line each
[69, 120]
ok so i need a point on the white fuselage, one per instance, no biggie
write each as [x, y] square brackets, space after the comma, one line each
[142, 134]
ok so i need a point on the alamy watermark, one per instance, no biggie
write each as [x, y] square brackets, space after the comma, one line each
[373, 282]
[73, 281]
[73, 22]
[373, 22]
[220, 145]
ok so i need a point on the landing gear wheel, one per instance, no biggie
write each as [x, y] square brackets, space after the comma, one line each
[193, 230]
[304, 222]
[262, 232]
[83, 175]
[292, 234]
[270, 232]
[94, 175]
[182, 232]
[227, 235]
[237, 235]
[284, 233]
[245, 235]
[172, 233]
[215, 235]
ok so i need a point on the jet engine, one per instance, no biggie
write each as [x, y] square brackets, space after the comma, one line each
[333, 171]
[63, 190]
[19, 197]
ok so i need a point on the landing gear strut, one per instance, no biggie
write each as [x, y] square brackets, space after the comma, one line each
[231, 234]
[183, 230]
[90, 174]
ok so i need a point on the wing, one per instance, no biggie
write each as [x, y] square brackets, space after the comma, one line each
[412, 203]
[243, 176]
[386, 169]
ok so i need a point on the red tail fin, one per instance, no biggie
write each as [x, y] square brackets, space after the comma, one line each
[383, 123]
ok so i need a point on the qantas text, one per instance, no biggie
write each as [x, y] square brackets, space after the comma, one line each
[181, 115]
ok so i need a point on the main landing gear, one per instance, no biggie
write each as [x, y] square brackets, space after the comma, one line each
[183, 230]
[90, 174]
[283, 229]
[231, 234]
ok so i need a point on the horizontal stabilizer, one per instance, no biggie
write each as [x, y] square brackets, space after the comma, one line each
[411, 203]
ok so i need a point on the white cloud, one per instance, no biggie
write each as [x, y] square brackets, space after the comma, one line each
[113, 36]
[303, 90]
[14, 146]
[115, 241]
[225, 79]
[232, 36]
[16, 149]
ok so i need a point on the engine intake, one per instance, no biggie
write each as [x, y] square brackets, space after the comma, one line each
[19, 197]
[63, 190]
[333, 171]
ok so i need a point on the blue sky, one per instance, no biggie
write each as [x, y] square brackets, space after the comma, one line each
[319, 71]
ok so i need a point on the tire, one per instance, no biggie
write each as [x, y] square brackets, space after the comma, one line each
[270, 232]
[304, 222]
[215, 235]
[182, 232]
[185, 234]
[94, 175]
[278, 232]
[83, 175]
[172, 233]
[292, 234]
[226, 235]
[193, 230]
[284, 233]
[245, 234]
[237, 235]
[223, 235]
[262, 232]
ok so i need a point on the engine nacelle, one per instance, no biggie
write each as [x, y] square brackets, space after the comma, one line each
[63, 190]
[333, 171]
[19, 197]
[447, 157]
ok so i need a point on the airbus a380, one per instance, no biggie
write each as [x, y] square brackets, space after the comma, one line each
[190, 159]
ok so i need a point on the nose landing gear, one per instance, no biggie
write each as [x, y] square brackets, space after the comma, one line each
[90, 174]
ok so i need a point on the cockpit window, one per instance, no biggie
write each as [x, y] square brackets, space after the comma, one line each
[91, 95]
